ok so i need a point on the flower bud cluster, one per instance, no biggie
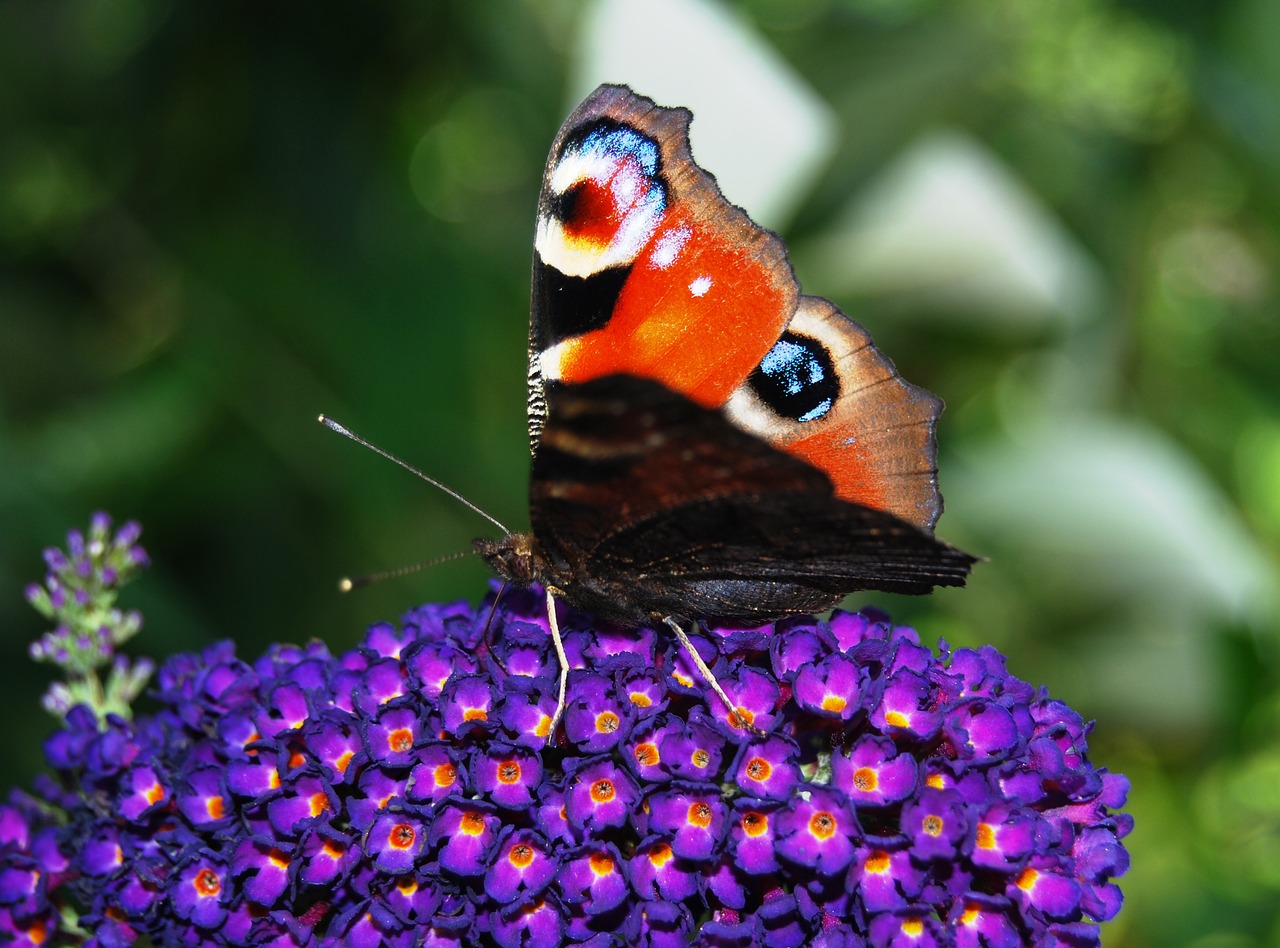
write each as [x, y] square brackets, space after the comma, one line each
[79, 595]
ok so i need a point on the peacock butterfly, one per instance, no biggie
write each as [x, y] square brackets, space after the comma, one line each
[707, 443]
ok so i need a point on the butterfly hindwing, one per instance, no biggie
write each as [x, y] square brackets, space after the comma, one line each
[825, 394]
[656, 504]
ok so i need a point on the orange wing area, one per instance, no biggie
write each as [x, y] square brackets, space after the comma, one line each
[708, 291]
[698, 313]
[891, 470]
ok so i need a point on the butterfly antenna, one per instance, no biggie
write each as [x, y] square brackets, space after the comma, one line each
[346, 432]
[348, 583]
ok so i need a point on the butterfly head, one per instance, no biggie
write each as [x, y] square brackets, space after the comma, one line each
[516, 558]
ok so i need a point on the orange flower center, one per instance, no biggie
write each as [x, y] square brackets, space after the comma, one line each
[207, 883]
[755, 824]
[214, 807]
[475, 714]
[647, 755]
[660, 855]
[700, 815]
[509, 772]
[400, 740]
[834, 703]
[444, 775]
[932, 824]
[986, 836]
[520, 856]
[865, 779]
[319, 803]
[640, 699]
[601, 864]
[402, 836]
[602, 791]
[607, 722]
[472, 823]
[759, 769]
[822, 825]
[878, 862]
[700, 758]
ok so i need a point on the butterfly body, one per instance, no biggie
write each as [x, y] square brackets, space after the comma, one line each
[707, 443]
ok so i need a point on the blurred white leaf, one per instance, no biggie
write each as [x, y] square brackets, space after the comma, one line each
[950, 227]
[1119, 520]
[1122, 510]
[757, 127]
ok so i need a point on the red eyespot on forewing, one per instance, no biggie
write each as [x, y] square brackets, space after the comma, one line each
[590, 213]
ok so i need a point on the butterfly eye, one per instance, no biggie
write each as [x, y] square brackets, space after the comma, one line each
[796, 379]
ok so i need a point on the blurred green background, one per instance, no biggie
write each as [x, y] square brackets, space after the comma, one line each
[217, 220]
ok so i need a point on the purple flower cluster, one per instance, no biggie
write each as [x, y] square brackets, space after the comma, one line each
[405, 793]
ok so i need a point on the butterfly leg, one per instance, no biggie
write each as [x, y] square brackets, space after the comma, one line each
[564, 662]
[486, 640]
[735, 718]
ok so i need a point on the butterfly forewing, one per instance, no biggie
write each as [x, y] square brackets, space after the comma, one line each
[641, 266]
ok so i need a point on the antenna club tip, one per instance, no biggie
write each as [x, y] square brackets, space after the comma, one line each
[345, 585]
[333, 425]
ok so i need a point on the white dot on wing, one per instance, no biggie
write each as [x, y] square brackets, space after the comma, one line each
[669, 247]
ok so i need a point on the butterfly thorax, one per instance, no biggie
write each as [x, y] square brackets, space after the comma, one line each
[520, 559]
